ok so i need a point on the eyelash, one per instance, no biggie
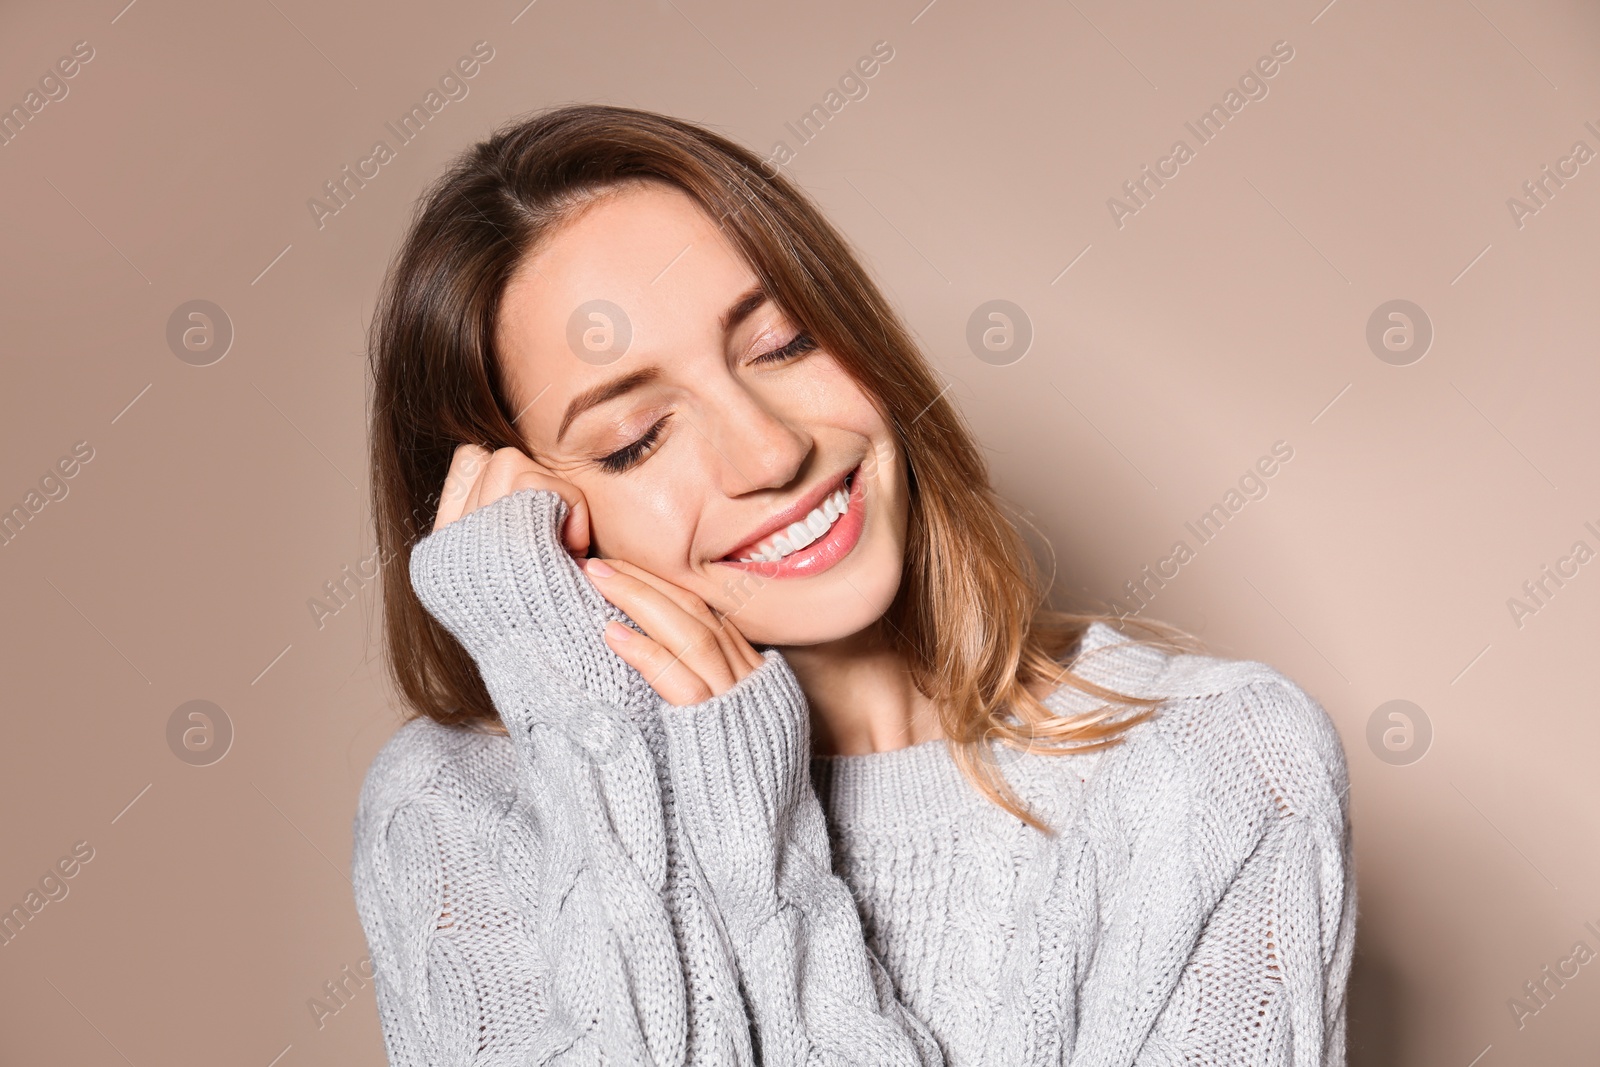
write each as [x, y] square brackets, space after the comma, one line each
[801, 344]
[629, 455]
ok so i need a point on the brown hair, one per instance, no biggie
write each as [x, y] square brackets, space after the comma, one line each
[970, 618]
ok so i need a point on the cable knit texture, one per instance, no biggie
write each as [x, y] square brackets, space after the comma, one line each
[623, 881]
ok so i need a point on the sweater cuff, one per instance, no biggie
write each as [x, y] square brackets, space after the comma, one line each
[738, 766]
[500, 576]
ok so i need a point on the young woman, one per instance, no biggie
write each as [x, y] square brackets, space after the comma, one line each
[742, 732]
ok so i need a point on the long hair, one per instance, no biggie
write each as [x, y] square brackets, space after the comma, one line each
[971, 617]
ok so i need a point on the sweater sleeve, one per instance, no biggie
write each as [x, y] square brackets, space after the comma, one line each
[739, 769]
[1265, 980]
[655, 938]
[501, 582]
[497, 938]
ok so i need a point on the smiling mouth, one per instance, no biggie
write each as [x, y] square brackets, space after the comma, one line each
[810, 528]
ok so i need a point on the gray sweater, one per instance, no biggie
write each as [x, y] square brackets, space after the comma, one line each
[623, 881]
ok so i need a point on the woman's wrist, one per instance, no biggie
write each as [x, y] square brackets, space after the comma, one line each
[738, 765]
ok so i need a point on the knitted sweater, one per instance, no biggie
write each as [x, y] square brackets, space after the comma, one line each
[624, 881]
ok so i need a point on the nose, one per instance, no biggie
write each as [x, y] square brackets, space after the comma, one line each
[759, 447]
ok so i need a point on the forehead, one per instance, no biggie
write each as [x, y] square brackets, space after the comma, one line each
[650, 251]
[641, 248]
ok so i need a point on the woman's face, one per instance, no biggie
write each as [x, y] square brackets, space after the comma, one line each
[718, 426]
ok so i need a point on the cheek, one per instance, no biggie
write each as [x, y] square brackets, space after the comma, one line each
[849, 407]
[830, 388]
[647, 524]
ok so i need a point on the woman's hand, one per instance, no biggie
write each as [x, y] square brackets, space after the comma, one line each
[688, 653]
[478, 478]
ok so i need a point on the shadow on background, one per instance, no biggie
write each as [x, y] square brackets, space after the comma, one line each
[1374, 1005]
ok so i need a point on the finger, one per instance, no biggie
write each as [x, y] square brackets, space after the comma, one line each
[741, 658]
[669, 625]
[476, 467]
[741, 643]
[511, 470]
[727, 637]
[501, 474]
[667, 674]
[698, 646]
[465, 464]
[575, 532]
[474, 499]
[478, 478]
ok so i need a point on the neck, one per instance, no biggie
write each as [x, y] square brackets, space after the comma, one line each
[862, 696]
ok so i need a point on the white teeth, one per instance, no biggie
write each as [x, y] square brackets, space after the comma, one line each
[800, 534]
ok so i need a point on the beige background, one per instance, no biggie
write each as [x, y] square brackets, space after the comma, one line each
[1229, 313]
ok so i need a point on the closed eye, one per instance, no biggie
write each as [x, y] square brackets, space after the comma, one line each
[628, 455]
[801, 344]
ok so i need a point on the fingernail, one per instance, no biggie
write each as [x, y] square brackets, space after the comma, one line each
[599, 568]
[617, 632]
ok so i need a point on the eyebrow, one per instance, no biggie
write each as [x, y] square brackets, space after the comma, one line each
[741, 309]
[603, 392]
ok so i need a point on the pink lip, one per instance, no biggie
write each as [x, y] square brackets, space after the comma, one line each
[780, 521]
[820, 554]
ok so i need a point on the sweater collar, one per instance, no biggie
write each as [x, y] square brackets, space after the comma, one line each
[881, 789]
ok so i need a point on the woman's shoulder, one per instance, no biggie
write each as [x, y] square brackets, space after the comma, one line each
[1242, 720]
[1232, 733]
[449, 769]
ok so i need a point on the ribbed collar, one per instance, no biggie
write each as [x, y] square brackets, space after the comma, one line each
[921, 782]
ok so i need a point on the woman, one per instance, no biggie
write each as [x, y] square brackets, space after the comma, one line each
[742, 732]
